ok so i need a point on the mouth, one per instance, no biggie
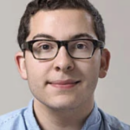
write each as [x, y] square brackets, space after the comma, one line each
[64, 84]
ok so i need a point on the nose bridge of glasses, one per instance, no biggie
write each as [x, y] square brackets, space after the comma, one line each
[63, 43]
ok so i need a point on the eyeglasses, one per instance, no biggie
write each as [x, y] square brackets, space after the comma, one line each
[43, 49]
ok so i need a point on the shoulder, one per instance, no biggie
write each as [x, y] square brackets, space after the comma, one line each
[112, 122]
[12, 120]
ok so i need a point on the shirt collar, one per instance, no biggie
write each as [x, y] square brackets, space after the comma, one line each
[92, 123]
[30, 118]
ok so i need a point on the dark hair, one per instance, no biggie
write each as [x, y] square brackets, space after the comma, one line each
[36, 5]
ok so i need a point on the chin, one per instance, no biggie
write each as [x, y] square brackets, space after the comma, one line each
[62, 106]
[63, 103]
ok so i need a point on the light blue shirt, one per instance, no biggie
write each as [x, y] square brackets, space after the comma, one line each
[24, 119]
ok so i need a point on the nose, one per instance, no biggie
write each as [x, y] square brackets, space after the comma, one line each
[63, 62]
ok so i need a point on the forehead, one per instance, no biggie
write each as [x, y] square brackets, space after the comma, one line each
[61, 24]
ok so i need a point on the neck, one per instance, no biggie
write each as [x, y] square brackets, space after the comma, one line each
[50, 119]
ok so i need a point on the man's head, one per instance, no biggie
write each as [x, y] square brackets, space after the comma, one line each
[46, 5]
[62, 82]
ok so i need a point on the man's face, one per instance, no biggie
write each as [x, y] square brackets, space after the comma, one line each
[64, 82]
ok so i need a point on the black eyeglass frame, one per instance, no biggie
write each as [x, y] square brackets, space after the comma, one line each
[29, 46]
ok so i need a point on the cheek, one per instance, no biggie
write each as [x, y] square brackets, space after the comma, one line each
[37, 72]
[89, 69]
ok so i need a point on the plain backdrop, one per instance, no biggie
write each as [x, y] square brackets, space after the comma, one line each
[112, 93]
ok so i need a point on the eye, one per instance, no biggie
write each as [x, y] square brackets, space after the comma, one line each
[81, 46]
[45, 47]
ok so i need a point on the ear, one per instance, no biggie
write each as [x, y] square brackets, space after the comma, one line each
[20, 62]
[105, 60]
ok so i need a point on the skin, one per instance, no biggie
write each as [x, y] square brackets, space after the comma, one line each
[66, 109]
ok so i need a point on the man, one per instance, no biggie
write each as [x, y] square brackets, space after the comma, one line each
[62, 57]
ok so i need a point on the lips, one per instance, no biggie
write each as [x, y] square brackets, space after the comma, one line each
[64, 84]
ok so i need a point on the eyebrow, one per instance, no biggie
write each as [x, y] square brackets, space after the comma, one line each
[82, 35]
[42, 35]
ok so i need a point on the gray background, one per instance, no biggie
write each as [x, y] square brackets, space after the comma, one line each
[113, 92]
